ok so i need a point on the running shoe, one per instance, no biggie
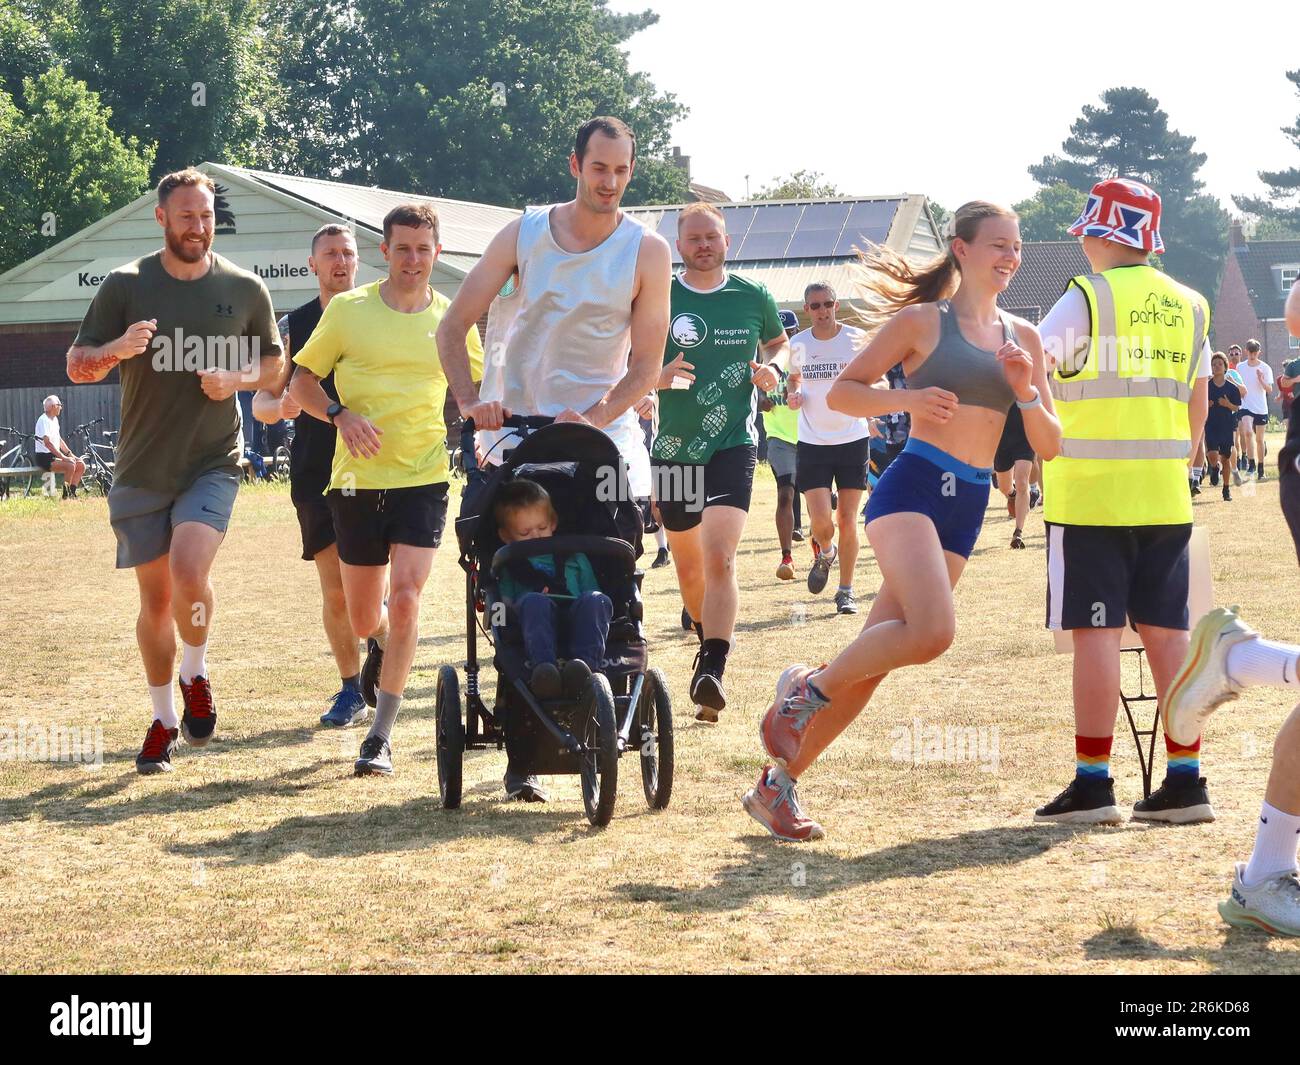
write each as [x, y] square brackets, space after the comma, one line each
[1236, 477]
[785, 571]
[774, 804]
[1214, 476]
[376, 758]
[522, 787]
[1261, 475]
[783, 726]
[687, 623]
[1273, 905]
[845, 603]
[1202, 682]
[1084, 802]
[347, 709]
[1176, 802]
[1018, 540]
[159, 747]
[661, 559]
[1227, 494]
[200, 717]
[797, 536]
[707, 691]
[1193, 487]
[544, 682]
[573, 677]
[821, 569]
[370, 670]
[1035, 496]
[1250, 466]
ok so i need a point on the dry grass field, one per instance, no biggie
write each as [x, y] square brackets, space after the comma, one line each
[261, 852]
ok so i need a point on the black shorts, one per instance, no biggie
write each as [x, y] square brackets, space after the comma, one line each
[44, 459]
[844, 464]
[684, 490]
[316, 524]
[369, 521]
[1012, 448]
[1105, 576]
[1221, 439]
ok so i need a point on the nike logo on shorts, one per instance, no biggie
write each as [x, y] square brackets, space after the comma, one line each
[710, 499]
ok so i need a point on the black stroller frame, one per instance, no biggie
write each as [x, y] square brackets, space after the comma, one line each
[625, 704]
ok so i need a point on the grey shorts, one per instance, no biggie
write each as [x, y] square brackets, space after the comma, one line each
[781, 457]
[143, 520]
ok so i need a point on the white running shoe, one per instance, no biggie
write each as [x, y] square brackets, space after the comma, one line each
[1202, 683]
[1273, 905]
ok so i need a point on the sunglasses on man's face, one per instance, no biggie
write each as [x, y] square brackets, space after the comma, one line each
[819, 306]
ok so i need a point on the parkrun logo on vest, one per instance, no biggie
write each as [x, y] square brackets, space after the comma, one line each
[1158, 310]
[77, 1018]
[689, 330]
[179, 353]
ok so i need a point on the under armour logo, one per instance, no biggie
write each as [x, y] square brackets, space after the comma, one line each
[225, 310]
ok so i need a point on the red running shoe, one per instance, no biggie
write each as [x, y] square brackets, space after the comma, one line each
[772, 802]
[200, 717]
[785, 724]
[156, 754]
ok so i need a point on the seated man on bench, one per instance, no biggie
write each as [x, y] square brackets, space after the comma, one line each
[52, 454]
[543, 597]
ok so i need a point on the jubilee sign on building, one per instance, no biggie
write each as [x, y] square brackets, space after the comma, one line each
[281, 270]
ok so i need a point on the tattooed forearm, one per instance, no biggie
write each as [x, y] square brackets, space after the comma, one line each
[89, 364]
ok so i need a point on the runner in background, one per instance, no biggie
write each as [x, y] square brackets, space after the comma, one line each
[782, 426]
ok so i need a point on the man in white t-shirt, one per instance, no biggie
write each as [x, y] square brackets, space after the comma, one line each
[832, 447]
[52, 454]
[1257, 376]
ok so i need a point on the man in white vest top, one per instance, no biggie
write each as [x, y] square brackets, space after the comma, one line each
[579, 333]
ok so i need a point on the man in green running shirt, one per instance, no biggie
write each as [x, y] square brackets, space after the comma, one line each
[723, 329]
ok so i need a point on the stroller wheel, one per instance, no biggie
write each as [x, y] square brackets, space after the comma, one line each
[655, 730]
[599, 770]
[450, 737]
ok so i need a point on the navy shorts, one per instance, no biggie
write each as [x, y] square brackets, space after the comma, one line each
[927, 480]
[1220, 439]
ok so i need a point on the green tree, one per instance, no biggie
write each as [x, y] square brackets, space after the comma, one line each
[473, 99]
[63, 166]
[1129, 136]
[1050, 212]
[25, 50]
[801, 185]
[195, 77]
[1283, 209]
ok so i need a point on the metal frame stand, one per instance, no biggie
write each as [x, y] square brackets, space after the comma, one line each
[1145, 760]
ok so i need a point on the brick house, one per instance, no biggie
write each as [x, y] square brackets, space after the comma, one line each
[1256, 280]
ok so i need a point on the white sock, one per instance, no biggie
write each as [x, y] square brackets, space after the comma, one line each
[661, 538]
[1275, 846]
[163, 698]
[193, 661]
[1264, 662]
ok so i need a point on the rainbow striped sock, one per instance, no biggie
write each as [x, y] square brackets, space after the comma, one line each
[1184, 761]
[1092, 756]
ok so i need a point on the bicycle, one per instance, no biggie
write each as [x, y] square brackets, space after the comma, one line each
[100, 459]
[18, 457]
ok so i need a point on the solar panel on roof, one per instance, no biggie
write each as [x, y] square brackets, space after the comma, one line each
[738, 221]
[779, 219]
[825, 216]
[813, 243]
[762, 246]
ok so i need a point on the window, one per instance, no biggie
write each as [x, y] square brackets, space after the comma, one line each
[1289, 275]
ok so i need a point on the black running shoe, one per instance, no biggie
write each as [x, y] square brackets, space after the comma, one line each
[661, 559]
[1214, 476]
[1176, 802]
[156, 754]
[545, 681]
[1227, 494]
[797, 536]
[376, 758]
[1084, 802]
[1261, 475]
[370, 672]
[523, 788]
[707, 691]
[687, 623]
[200, 717]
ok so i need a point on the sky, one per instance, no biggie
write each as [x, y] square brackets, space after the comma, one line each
[956, 100]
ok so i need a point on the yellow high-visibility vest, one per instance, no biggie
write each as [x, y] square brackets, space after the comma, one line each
[1122, 402]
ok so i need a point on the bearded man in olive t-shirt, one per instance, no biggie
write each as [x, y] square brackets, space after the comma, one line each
[188, 329]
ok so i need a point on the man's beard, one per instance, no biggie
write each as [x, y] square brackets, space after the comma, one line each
[185, 250]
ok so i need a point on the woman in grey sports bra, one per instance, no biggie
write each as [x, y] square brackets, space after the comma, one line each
[966, 363]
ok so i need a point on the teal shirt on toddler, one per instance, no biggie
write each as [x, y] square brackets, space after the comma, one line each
[579, 578]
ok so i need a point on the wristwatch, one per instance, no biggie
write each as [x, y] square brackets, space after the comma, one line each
[334, 410]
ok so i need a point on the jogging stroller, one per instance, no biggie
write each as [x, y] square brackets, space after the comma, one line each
[624, 705]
